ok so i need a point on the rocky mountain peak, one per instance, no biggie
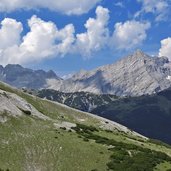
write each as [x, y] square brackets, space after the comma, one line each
[139, 53]
[20, 77]
[1, 68]
[134, 75]
[13, 66]
[162, 60]
[81, 73]
[52, 74]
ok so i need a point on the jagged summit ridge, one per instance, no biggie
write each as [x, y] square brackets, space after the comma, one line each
[134, 75]
[18, 76]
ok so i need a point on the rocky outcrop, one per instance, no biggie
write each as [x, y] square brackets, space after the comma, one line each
[13, 105]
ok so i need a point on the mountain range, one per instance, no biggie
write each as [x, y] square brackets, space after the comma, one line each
[21, 77]
[133, 75]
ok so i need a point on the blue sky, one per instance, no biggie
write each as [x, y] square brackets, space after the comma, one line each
[55, 35]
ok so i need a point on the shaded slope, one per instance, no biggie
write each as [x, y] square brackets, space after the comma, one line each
[148, 115]
[20, 77]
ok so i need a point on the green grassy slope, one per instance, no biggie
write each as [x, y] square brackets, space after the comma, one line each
[29, 143]
[149, 115]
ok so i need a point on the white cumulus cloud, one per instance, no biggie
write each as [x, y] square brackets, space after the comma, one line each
[68, 7]
[165, 49]
[44, 40]
[97, 33]
[158, 7]
[129, 34]
[10, 32]
[120, 4]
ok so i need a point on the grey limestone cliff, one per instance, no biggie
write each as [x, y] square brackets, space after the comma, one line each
[133, 75]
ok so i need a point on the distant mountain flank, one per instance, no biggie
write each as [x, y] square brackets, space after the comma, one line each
[135, 75]
[20, 77]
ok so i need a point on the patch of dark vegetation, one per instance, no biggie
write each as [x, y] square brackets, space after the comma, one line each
[62, 117]
[63, 128]
[140, 161]
[57, 131]
[84, 128]
[27, 112]
[5, 95]
[108, 131]
[4, 113]
[158, 142]
[136, 139]
[124, 156]
[86, 139]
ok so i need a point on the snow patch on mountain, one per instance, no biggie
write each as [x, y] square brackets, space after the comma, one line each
[168, 77]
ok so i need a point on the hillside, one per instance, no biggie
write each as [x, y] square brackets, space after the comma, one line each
[149, 115]
[41, 135]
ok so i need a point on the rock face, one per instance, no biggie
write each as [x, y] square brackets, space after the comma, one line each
[134, 75]
[19, 77]
[13, 105]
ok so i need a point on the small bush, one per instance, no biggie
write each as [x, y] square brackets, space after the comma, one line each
[86, 139]
[27, 112]
[63, 128]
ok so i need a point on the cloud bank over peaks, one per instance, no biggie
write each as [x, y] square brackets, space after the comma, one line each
[129, 34]
[97, 33]
[69, 7]
[36, 45]
[160, 8]
[165, 49]
[45, 40]
[10, 32]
